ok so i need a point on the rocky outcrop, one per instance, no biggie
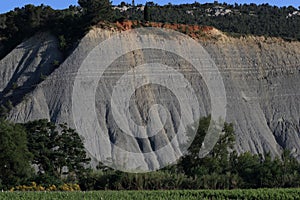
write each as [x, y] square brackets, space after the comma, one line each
[261, 77]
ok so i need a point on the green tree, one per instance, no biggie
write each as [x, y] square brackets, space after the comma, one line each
[215, 164]
[290, 170]
[58, 151]
[15, 158]
[248, 168]
[96, 10]
[217, 160]
[146, 13]
[270, 172]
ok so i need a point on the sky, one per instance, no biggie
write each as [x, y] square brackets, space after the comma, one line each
[7, 5]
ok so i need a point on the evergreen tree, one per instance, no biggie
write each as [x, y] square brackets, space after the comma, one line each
[146, 13]
[15, 158]
[96, 10]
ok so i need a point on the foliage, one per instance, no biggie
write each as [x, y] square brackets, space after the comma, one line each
[72, 23]
[258, 194]
[218, 159]
[116, 180]
[6, 107]
[241, 19]
[146, 13]
[57, 151]
[23, 22]
[14, 158]
[59, 157]
[68, 25]
[96, 10]
[222, 168]
[35, 187]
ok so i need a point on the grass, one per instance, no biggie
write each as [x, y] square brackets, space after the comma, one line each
[263, 194]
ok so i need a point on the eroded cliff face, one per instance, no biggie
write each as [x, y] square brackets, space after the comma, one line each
[261, 78]
[263, 86]
[28, 65]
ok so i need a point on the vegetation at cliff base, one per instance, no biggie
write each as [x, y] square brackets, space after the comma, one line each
[15, 156]
[40, 152]
[40, 156]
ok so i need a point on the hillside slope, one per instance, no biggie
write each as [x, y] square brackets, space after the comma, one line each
[261, 77]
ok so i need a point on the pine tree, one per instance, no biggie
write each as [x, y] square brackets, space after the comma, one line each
[146, 13]
[96, 10]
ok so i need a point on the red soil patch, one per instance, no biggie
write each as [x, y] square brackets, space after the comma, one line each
[194, 31]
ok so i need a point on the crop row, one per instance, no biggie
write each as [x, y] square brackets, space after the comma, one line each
[263, 194]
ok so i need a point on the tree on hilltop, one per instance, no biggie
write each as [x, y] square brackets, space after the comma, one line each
[96, 10]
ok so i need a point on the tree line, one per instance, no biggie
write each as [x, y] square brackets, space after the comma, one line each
[222, 168]
[41, 152]
[49, 154]
[71, 24]
[241, 19]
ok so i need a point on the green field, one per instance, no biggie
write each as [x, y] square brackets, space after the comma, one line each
[263, 194]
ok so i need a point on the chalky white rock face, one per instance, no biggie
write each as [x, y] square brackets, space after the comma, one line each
[261, 78]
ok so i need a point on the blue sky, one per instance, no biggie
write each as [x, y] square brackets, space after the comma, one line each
[7, 5]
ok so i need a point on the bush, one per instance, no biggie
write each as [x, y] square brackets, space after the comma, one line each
[35, 187]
